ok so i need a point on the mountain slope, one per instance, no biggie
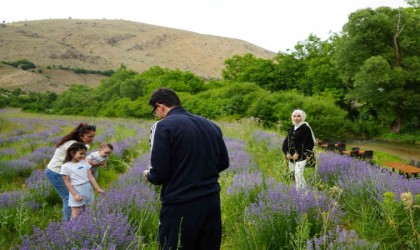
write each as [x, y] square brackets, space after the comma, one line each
[106, 44]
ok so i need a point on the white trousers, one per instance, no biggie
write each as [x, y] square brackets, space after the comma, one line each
[297, 168]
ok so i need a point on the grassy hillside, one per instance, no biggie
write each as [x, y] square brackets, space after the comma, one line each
[106, 44]
[54, 80]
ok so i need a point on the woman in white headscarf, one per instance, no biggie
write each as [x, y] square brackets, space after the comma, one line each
[298, 145]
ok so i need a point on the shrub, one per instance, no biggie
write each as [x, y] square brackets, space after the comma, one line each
[340, 239]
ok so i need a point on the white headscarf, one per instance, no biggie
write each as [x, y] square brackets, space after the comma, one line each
[297, 125]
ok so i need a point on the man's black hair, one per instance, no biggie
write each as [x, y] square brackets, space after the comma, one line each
[165, 96]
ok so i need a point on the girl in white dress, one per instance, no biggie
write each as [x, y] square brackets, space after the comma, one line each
[78, 179]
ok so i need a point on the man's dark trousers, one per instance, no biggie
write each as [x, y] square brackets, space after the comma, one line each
[197, 223]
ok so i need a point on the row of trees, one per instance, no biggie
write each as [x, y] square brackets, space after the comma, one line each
[83, 71]
[362, 82]
[372, 67]
[25, 64]
[126, 94]
[22, 64]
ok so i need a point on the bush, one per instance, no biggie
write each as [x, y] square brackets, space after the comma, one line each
[23, 64]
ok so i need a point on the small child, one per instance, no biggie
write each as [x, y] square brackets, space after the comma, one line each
[98, 158]
[78, 179]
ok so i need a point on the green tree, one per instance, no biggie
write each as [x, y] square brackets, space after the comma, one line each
[125, 107]
[23, 64]
[289, 71]
[133, 88]
[77, 100]
[414, 3]
[231, 100]
[387, 41]
[326, 118]
[383, 90]
[309, 68]
[110, 88]
[181, 81]
[175, 79]
[39, 102]
[248, 68]
[321, 73]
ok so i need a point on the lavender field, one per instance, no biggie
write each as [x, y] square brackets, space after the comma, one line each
[349, 204]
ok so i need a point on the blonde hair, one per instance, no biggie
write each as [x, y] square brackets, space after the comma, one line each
[106, 145]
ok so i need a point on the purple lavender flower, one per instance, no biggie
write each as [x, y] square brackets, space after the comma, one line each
[235, 144]
[29, 135]
[106, 134]
[285, 202]
[89, 231]
[19, 167]
[39, 188]
[125, 195]
[271, 139]
[40, 154]
[10, 199]
[340, 239]
[37, 180]
[7, 151]
[244, 182]
[121, 147]
[239, 159]
[105, 225]
[358, 177]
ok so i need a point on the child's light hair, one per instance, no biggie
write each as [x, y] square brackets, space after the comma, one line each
[106, 145]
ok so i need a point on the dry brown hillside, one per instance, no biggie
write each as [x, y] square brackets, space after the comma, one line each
[104, 45]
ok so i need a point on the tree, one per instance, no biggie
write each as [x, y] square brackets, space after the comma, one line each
[378, 57]
[23, 64]
[367, 33]
[248, 68]
[289, 71]
[414, 3]
[326, 118]
[232, 100]
[39, 102]
[132, 88]
[320, 71]
[182, 81]
[110, 88]
[77, 100]
[175, 79]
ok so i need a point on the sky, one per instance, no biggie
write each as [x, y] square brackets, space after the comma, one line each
[275, 25]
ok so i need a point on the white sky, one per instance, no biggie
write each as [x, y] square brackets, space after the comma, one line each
[275, 25]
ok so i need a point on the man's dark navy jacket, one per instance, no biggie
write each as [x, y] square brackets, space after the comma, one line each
[188, 153]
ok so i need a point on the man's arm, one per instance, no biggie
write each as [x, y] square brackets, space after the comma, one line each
[223, 155]
[158, 172]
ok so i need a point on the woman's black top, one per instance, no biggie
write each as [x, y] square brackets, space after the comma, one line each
[299, 141]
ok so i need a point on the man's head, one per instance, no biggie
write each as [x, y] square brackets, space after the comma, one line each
[163, 100]
[165, 96]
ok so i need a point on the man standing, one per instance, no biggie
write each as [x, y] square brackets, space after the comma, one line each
[187, 154]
